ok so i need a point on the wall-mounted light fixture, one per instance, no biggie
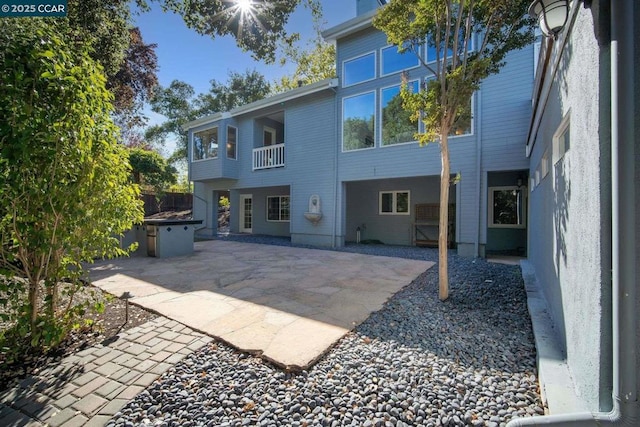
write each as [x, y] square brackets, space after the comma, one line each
[552, 15]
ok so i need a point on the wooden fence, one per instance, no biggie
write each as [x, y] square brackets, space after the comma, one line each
[168, 202]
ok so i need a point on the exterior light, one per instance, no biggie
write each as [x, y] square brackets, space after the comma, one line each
[552, 15]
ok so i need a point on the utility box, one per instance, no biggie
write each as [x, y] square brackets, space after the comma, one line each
[167, 238]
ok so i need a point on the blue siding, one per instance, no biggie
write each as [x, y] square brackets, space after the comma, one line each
[316, 164]
[220, 167]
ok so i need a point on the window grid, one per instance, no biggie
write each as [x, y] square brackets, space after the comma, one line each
[278, 209]
[394, 202]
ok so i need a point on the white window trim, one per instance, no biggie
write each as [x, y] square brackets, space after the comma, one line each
[227, 141]
[193, 145]
[490, 206]
[473, 120]
[395, 202]
[375, 68]
[375, 137]
[279, 210]
[381, 71]
[380, 142]
[565, 126]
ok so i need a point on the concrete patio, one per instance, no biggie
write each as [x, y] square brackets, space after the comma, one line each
[287, 304]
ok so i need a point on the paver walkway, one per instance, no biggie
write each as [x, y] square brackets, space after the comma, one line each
[288, 304]
[89, 387]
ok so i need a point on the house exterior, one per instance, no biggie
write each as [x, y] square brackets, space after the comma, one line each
[344, 142]
[584, 168]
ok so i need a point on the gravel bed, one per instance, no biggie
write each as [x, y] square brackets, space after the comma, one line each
[469, 361]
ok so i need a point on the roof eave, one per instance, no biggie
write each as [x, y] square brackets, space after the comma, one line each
[350, 27]
[266, 102]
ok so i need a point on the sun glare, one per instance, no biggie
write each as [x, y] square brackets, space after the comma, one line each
[245, 5]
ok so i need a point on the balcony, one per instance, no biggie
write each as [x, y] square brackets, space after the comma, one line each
[268, 157]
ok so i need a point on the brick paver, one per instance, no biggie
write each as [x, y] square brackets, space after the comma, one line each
[89, 387]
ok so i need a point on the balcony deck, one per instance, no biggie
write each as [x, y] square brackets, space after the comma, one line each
[268, 157]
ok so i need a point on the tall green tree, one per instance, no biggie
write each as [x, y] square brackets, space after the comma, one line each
[179, 104]
[130, 65]
[149, 169]
[65, 191]
[314, 62]
[449, 28]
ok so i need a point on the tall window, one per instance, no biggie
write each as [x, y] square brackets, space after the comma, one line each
[232, 142]
[393, 61]
[463, 124]
[278, 209]
[507, 208]
[358, 70]
[359, 121]
[205, 144]
[394, 203]
[396, 123]
[431, 50]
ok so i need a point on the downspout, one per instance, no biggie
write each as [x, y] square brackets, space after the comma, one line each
[625, 400]
[476, 248]
[335, 173]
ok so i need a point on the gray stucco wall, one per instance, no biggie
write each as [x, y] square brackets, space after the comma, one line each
[570, 214]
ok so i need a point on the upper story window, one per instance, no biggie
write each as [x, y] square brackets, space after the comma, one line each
[397, 126]
[232, 142]
[359, 121]
[358, 70]
[205, 144]
[393, 61]
[464, 123]
[431, 51]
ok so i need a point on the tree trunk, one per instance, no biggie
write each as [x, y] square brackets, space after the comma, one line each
[34, 291]
[443, 273]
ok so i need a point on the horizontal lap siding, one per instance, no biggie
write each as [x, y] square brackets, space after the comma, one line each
[506, 113]
[311, 145]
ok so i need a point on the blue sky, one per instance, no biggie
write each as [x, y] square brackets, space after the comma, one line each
[187, 56]
[195, 59]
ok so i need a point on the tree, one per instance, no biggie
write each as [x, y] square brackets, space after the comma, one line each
[257, 25]
[150, 169]
[450, 26]
[134, 82]
[314, 63]
[240, 89]
[179, 105]
[65, 193]
[129, 64]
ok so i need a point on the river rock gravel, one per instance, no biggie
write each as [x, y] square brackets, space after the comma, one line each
[468, 361]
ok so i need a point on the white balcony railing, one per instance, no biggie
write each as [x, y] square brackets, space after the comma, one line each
[268, 157]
